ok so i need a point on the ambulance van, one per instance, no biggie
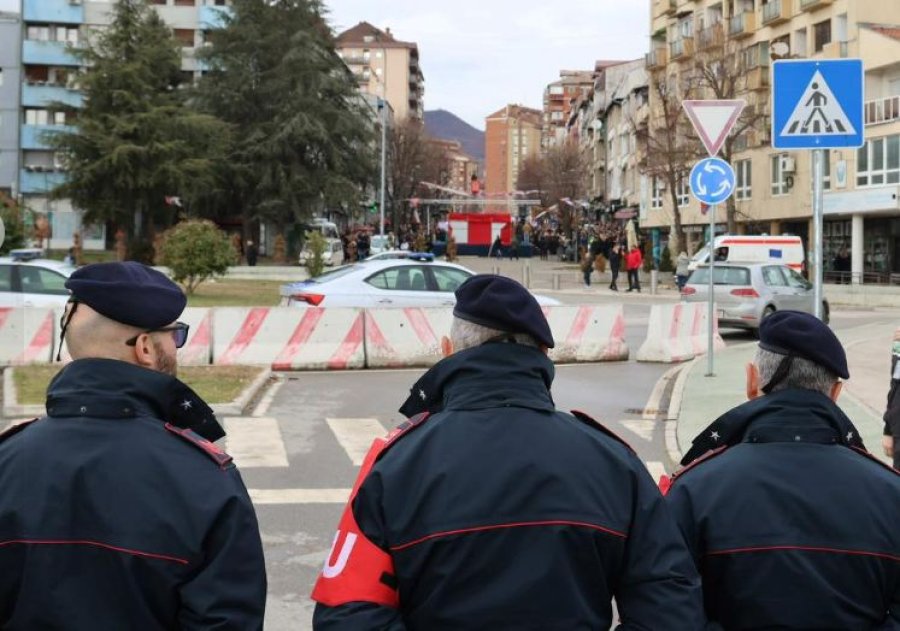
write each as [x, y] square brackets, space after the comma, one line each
[786, 250]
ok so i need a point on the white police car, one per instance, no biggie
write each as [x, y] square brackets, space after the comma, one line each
[26, 281]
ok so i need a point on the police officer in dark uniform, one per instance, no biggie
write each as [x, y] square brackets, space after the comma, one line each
[490, 509]
[891, 438]
[116, 510]
[792, 523]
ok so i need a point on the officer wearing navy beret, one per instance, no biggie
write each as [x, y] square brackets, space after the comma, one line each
[117, 510]
[490, 509]
[792, 523]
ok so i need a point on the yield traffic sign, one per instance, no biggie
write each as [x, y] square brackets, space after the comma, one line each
[817, 104]
[712, 181]
[713, 120]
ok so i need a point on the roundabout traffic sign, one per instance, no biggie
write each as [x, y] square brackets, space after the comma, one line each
[712, 181]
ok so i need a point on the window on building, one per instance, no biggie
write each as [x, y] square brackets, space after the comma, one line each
[59, 118]
[683, 192]
[744, 176]
[800, 47]
[822, 34]
[878, 162]
[686, 27]
[185, 36]
[779, 177]
[185, 3]
[160, 2]
[840, 27]
[656, 193]
[38, 33]
[37, 117]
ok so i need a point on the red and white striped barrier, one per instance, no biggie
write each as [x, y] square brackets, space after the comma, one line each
[288, 338]
[589, 333]
[405, 337]
[678, 332]
[197, 351]
[26, 336]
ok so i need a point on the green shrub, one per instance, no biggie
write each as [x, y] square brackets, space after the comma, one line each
[196, 251]
[13, 229]
[315, 247]
[665, 260]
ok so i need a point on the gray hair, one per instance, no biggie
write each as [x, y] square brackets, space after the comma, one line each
[803, 373]
[465, 334]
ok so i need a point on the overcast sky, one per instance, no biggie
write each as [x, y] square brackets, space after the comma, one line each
[479, 55]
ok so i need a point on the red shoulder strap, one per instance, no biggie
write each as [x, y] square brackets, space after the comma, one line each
[12, 430]
[207, 447]
[357, 570]
[588, 420]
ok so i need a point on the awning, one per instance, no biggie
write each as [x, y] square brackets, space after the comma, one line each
[626, 213]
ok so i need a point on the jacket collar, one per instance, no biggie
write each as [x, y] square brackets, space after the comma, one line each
[496, 374]
[792, 414]
[106, 388]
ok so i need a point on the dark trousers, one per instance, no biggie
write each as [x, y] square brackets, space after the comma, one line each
[615, 277]
[587, 276]
[634, 280]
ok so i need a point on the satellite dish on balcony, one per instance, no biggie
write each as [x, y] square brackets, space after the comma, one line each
[779, 49]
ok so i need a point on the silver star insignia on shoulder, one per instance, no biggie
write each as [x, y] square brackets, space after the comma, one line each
[715, 436]
[849, 436]
[186, 404]
[422, 394]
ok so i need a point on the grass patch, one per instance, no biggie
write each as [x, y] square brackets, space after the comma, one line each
[214, 384]
[237, 293]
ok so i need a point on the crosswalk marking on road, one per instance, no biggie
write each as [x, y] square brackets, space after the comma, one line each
[298, 496]
[255, 442]
[355, 435]
[656, 469]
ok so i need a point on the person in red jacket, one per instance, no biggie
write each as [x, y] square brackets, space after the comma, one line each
[633, 262]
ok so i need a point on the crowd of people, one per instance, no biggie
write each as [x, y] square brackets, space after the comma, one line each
[487, 508]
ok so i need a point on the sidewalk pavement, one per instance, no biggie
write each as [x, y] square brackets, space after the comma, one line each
[863, 399]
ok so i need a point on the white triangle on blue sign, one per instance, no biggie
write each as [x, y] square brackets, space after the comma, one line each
[818, 113]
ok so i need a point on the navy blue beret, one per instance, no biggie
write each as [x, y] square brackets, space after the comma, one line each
[503, 304]
[803, 335]
[128, 292]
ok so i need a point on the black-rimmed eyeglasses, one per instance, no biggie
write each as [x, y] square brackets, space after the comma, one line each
[179, 334]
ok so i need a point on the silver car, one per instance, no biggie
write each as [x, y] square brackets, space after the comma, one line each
[745, 293]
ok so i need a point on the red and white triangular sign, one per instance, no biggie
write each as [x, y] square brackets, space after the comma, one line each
[713, 120]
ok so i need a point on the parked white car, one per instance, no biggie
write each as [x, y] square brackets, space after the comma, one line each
[33, 283]
[333, 254]
[388, 284]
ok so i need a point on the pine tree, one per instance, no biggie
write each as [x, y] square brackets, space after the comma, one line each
[135, 140]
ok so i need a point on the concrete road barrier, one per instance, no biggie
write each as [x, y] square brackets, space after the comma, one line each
[587, 333]
[197, 351]
[678, 333]
[26, 336]
[405, 337]
[288, 338]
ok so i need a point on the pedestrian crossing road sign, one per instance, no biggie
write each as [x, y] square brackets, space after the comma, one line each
[817, 104]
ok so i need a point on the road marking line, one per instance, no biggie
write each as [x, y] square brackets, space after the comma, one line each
[656, 469]
[651, 410]
[643, 429]
[255, 442]
[270, 497]
[263, 407]
[355, 435]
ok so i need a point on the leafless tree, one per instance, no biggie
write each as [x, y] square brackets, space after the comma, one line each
[413, 158]
[560, 175]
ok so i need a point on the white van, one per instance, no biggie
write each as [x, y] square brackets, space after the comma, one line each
[787, 250]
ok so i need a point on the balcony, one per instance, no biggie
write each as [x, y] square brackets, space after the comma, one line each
[39, 182]
[32, 136]
[356, 60]
[53, 11]
[657, 59]
[38, 95]
[669, 6]
[212, 17]
[812, 5]
[47, 54]
[682, 48]
[836, 50]
[362, 77]
[742, 25]
[758, 78]
[880, 111]
[711, 37]
[776, 12]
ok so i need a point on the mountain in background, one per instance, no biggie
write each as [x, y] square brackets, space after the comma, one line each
[447, 126]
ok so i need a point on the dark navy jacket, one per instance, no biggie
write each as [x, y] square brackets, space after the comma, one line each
[791, 528]
[109, 520]
[501, 513]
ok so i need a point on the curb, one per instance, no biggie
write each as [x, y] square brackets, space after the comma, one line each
[673, 450]
[237, 407]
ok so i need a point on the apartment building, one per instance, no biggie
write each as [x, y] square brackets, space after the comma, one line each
[386, 67]
[862, 199]
[10, 32]
[559, 99]
[512, 135]
[50, 74]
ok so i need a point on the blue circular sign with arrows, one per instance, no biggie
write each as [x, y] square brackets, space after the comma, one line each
[712, 181]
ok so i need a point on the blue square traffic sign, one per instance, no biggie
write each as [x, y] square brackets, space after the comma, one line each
[818, 104]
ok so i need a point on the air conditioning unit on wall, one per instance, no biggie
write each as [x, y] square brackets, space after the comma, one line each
[788, 164]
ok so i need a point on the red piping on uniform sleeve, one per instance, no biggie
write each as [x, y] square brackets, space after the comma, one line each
[880, 555]
[526, 524]
[96, 544]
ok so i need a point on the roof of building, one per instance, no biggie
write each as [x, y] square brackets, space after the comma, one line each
[518, 111]
[888, 30]
[365, 33]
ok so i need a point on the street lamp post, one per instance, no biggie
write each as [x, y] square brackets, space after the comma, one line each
[382, 105]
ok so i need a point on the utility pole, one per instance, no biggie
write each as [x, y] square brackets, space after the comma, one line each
[382, 105]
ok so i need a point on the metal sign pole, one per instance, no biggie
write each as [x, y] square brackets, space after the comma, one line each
[712, 301]
[383, 161]
[818, 204]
